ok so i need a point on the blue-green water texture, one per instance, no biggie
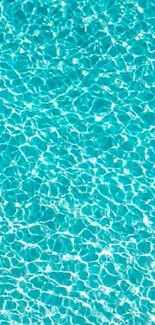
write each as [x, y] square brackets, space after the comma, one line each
[77, 162]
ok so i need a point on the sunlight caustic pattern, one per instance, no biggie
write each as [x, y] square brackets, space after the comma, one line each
[77, 162]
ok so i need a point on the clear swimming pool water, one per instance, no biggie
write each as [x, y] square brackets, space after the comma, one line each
[77, 162]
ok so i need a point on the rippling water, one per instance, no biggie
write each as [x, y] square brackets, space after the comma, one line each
[77, 162]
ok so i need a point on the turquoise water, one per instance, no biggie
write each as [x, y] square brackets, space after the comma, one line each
[77, 162]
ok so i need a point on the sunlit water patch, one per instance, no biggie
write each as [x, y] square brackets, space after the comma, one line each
[77, 162]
